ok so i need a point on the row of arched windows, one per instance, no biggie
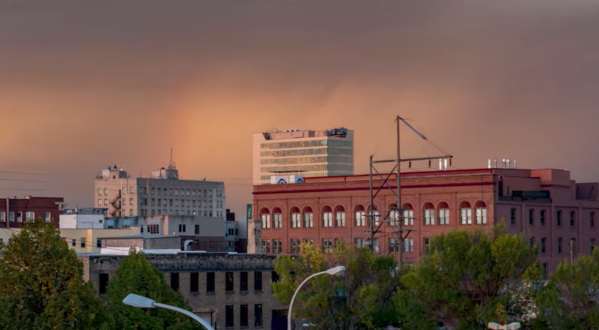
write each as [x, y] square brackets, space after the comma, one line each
[337, 217]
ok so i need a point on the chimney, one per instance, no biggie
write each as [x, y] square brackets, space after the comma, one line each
[514, 166]
[508, 163]
[489, 163]
[503, 163]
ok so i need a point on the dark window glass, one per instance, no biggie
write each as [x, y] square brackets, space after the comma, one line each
[194, 282]
[559, 245]
[558, 218]
[545, 270]
[197, 229]
[243, 315]
[275, 277]
[243, 281]
[229, 316]
[103, 283]
[257, 281]
[258, 315]
[175, 281]
[572, 214]
[229, 281]
[210, 282]
[513, 216]
[592, 220]
[531, 217]
[543, 241]
[542, 217]
[99, 242]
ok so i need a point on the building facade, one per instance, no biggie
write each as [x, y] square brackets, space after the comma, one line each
[90, 240]
[302, 153]
[15, 211]
[557, 214]
[229, 291]
[163, 193]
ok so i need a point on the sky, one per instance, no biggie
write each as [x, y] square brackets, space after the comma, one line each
[86, 84]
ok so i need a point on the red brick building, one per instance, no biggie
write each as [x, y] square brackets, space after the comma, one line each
[19, 210]
[558, 214]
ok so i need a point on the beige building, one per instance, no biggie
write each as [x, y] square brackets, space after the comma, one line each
[162, 193]
[6, 235]
[281, 156]
[90, 240]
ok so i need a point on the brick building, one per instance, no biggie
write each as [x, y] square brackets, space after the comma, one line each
[558, 214]
[14, 211]
[230, 291]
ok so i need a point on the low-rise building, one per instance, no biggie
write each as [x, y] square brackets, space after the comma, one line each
[15, 211]
[90, 240]
[83, 218]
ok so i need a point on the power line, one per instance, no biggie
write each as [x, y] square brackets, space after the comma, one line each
[22, 173]
[21, 180]
[21, 189]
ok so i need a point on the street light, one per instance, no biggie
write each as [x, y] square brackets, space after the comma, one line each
[143, 302]
[497, 326]
[332, 271]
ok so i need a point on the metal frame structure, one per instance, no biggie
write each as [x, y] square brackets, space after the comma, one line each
[401, 232]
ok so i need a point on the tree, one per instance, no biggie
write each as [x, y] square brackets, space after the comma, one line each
[571, 298]
[42, 286]
[362, 298]
[137, 275]
[472, 277]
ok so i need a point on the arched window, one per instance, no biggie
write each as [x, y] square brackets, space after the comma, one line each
[481, 213]
[408, 215]
[339, 216]
[443, 210]
[327, 217]
[375, 214]
[265, 217]
[295, 217]
[360, 216]
[308, 217]
[277, 218]
[393, 215]
[465, 213]
[429, 214]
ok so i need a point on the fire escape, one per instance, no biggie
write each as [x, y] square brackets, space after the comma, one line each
[116, 205]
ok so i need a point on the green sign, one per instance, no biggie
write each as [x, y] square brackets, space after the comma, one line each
[249, 212]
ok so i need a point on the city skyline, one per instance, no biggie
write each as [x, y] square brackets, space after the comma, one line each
[86, 86]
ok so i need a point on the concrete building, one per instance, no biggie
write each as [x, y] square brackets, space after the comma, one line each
[229, 291]
[14, 211]
[83, 218]
[6, 236]
[90, 240]
[163, 193]
[557, 214]
[281, 156]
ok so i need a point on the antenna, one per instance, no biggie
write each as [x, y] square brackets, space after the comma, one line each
[170, 162]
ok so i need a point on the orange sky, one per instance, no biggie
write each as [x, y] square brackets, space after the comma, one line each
[88, 84]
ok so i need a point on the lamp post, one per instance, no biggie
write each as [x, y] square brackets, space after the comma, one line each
[143, 302]
[332, 271]
[511, 326]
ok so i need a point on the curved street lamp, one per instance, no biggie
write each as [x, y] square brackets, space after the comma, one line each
[497, 326]
[143, 302]
[332, 271]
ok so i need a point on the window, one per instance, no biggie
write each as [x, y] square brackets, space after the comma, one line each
[82, 242]
[295, 218]
[19, 216]
[131, 212]
[277, 247]
[393, 215]
[545, 270]
[339, 216]
[393, 245]
[443, 210]
[531, 217]
[182, 228]
[105, 191]
[543, 245]
[229, 287]
[572, 215]
[130, 201]
[103, 283]
[11, 217]
[73, 242]
[265, 216]
[327, 217]
[408, 215]
[558, 218]
[481, 213]
[512, 216]
[258, 315]
[266, 246]
[559, 245]
[1, 242]
[243, 281]
[327, 245]
[532, 241]
[2, 216]
[131, 190]
[153, 229]
[105, 202]
[429, 214]
[243, 315]
[229, 316]
[308, 217]
[295, 245]
[465, 213]
[309, 241]
[98, 242]
[592, 220]
[277, 218]
[194, 282]
[426, 243]
[360, 216]
[408, 245]
[210, 282]
[339, 242]
[359, 242]
[99, 191]
[124, 190]
[542, 217]
[99, 202]
[257, 281]
[175, 281]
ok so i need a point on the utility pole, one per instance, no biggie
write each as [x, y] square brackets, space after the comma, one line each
[399, 209]
[371, 210]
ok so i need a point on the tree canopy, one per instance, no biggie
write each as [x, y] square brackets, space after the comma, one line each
[137, 275]
[42, 286]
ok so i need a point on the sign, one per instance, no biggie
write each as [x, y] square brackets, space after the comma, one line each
[249, 213]
[281, 181]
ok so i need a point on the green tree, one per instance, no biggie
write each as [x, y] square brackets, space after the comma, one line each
[136, 274]
[571, 298]
[362, 298]
[472, 277]
[42, 286]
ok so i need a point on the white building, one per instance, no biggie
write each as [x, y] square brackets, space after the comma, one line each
[82, 218]
[163, 193]
[293, 154]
